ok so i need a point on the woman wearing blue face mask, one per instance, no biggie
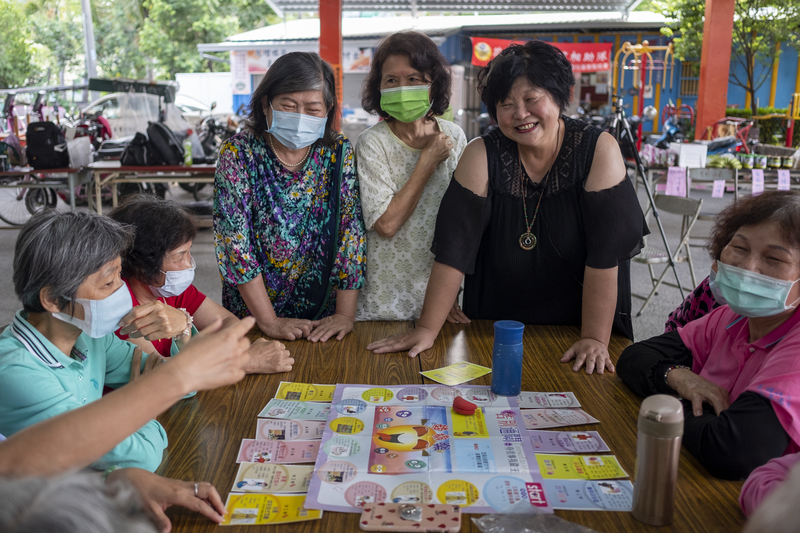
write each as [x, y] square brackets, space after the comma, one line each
[737, 368]
[61, 350]
[158, 272]
[405, 163]
[288, 228]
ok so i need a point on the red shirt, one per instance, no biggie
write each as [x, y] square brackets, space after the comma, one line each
[190, 300]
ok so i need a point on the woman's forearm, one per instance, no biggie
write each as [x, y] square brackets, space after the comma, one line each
[404, 203]
[90, 431]
[254, 294]
[442, 291]
[599, 303]
[347, 303]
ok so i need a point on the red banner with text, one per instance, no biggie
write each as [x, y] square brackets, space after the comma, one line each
[585, 57]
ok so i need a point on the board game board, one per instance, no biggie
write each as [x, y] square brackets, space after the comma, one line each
[404, 443]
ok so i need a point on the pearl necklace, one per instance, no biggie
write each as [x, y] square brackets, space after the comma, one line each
[281, 161]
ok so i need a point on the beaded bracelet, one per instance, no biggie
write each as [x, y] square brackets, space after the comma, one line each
[108, 471]
[670, 369]
[189, 322]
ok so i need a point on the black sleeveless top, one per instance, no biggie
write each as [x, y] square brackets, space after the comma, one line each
[574, 229]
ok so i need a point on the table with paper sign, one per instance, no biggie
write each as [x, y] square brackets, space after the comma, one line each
[206, 431]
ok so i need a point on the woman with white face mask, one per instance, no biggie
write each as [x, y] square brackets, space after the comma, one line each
[405, 163]
[288, 228]
[158, 272]
[60, 350]
[737, 368]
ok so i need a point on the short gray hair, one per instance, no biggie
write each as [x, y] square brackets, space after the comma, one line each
[74, 502]
[60, 250]
[295, 72]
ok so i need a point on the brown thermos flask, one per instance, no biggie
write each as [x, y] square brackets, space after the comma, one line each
[658, 447]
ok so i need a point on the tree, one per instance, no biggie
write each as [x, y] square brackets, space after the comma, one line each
[758, 27]
[117, 25]
[15, 67]
[56, 26]
[172, 29]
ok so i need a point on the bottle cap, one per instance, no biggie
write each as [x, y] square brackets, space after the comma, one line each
[661, 416]
[508, 331]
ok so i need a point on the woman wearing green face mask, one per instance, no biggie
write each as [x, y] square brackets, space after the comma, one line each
[737, 368]
[405, 163]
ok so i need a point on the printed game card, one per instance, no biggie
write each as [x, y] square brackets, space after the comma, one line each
[539, 400]
[579, 466]
[556, 418]
[271, 478]
[260, 509]
[758, 181]
[290, 409]
[271, 451]
[567, 442]
[784, 180]
[280, 429]
[456, 373]
[305, 392]
[580, 495]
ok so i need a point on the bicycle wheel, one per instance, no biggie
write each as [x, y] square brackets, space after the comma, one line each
[12, 206]
[38, 199]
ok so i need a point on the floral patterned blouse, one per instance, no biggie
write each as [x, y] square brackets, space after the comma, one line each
[283, 225]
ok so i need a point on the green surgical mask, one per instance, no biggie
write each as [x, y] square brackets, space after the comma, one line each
[406, 104]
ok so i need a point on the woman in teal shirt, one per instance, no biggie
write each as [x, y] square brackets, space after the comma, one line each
[61, 350]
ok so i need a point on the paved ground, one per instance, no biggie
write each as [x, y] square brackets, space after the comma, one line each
[208, 280]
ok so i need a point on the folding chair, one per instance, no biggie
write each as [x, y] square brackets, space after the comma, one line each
[689, 210]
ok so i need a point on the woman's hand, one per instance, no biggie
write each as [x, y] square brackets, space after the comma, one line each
[158, 494]
[336, 324]
[437, 150]
[153, 361]
[415, 342]
[591, 352]
[456, 315]
[699, 390]
[153, 321]
[289, 329]
[269, 357]
[215, 357]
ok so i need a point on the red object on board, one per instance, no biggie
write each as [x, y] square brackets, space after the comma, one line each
[464, 407]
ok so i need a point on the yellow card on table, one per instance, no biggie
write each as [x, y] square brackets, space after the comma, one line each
[262, 509]
[456, 373]
[305, 392]
[271, 478]
[579, 466]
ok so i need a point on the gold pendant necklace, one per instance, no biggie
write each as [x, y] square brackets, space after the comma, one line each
[527, 241]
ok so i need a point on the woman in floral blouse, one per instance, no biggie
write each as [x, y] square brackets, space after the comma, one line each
[288, 227]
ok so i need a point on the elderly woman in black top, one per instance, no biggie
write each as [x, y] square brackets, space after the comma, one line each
[541, 217]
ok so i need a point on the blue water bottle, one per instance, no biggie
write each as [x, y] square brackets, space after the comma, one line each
[507, 358]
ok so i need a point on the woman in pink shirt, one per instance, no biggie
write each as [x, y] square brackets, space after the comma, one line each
[736, 368]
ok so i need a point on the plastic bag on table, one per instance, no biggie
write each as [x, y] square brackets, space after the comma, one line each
[522, 517]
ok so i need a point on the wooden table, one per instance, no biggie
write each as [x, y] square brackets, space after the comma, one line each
[112, 173]
[205, 431]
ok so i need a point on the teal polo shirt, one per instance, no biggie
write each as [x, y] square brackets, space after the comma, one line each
[37, 382]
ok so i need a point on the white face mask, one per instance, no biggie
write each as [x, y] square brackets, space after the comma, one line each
[101, 317]
[175, 282]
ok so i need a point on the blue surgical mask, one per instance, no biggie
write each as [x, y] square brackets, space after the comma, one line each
[712, 284]
[751, 294]
[296, 130]
[101, 317]
[175, 282]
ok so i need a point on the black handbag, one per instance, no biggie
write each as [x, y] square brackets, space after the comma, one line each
[46, 146]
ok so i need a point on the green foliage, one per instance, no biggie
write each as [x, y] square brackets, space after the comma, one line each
[759, 25]
[116, 29]
[770, 130]
[16, 66]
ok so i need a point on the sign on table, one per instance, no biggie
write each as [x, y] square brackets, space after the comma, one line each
[260, 509]
[567, 442]
[272, 478]
[457, 373]
[579, 466]
[538, 400]
[295, 410]
[555, 418]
